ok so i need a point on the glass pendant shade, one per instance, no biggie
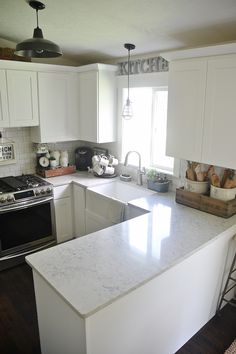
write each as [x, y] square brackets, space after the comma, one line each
[127, 112]
[37, 47]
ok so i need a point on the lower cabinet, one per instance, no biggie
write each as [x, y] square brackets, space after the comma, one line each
[79, 210]
[63, 213]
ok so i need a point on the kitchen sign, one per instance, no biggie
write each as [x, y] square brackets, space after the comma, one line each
[141, 66]
[7, 153]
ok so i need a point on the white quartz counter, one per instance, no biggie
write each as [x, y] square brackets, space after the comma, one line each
[93, 271]
[83, 179]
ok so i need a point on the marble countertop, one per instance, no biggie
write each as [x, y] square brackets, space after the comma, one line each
[93, 271]
[82, 178]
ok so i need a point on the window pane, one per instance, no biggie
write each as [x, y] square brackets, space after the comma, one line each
[136, 132]
[145, 132]
[159, 158]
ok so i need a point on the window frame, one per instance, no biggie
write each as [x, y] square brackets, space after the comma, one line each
[157, 81]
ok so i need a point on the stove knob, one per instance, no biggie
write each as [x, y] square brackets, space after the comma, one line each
[10, 198]
[2, 200]
[42, 191]
[37, 192]
[49, 190]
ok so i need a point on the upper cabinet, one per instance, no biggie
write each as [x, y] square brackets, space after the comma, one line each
[186, 99]
[202, 109]
[97, 103]
[19, 98]
[218, 146]
[4, 114]
[58, 107]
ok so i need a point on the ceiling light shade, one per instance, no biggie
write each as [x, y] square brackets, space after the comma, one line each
[127, 112]
[38, 47]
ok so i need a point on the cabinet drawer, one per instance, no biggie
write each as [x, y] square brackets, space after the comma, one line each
[61, 192]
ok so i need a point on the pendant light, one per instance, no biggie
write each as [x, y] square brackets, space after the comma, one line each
[37, 47]
[127, 110]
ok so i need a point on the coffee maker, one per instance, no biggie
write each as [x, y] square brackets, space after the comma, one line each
[83, 158]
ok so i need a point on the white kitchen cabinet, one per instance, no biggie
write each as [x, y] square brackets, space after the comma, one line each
[97, 103]
[63, 213]
[19, 98]
[202, 110]
[79, 210]
[4, 115]
[186, 98]
[58, 107]
[220, 113]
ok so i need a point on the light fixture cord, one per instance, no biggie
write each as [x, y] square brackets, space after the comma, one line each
[37, 18]
[128, 70]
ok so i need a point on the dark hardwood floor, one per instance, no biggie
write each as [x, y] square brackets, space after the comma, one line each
[19, 330]
[18, 318]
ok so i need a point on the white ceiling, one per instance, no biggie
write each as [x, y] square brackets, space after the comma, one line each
[95, 30]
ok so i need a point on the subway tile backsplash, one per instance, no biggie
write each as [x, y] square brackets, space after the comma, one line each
[26, 151]
[25, 157]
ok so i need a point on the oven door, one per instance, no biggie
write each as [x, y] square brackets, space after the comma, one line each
[26, 226]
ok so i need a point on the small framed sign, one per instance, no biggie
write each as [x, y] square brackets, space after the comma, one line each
[7, 153]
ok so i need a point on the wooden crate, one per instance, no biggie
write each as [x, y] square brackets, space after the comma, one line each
[59, 171]
[206, 203]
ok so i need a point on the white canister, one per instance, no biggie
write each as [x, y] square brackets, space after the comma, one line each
[196, 187]
[64, 158]
[53, 163]
[56, 154]
[222, 193]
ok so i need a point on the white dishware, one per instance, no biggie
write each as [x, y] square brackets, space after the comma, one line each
[113, 161]
[104, 161]
[109, 170]
[98, 170]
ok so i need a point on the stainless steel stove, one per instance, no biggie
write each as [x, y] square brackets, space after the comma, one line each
[27, 218]
[23, 188]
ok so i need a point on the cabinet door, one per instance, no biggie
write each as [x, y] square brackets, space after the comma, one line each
[107, 107]
[220, 113]
[186, 98]
[79, 210]
[64, 219]
[88, 106]
[23, 98]
[4, 117]
[58, 108]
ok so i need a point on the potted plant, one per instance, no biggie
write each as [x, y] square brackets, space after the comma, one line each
[157, 182]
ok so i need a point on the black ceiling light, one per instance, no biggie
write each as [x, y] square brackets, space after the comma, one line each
[127, 110]
[37, 47]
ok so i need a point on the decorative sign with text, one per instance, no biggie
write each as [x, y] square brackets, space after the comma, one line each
[7, 153]
[141, 66]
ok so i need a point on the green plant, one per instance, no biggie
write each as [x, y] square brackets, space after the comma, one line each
[152, 175]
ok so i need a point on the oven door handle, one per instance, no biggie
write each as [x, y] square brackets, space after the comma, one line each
[27, 252]
[24, 205]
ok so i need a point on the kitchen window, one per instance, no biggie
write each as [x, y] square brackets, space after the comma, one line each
[146, 131]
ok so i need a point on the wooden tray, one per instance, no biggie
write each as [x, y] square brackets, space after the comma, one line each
[59, 171]
[206, 203]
